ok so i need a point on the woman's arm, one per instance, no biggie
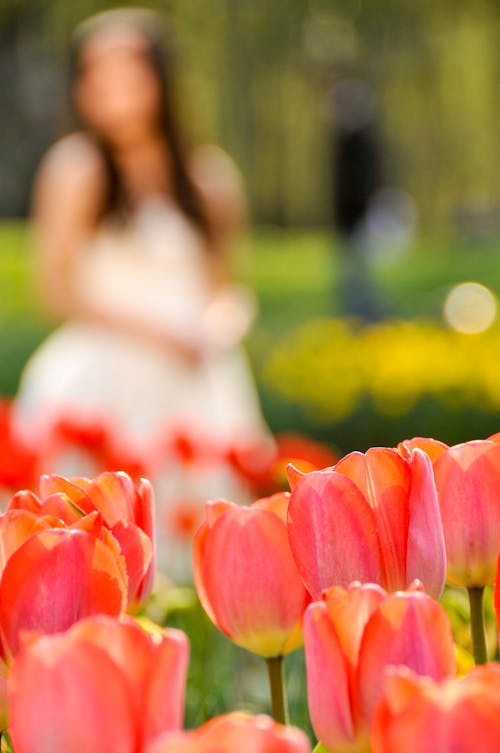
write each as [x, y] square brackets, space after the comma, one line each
[68, 196]
[68, 199]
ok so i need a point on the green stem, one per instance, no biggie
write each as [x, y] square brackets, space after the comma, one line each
[477, 624]
[277, 686]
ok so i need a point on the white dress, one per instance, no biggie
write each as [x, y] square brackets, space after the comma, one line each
[153, 271]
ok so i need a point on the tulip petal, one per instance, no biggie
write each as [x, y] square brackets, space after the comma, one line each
[277, 503]
[154, 666]
[294, 475]
[411, 629]
[349, 610]
[54, 579]
[163, 703]
[137, 550]
[426, 557]
[327, 680]
[432, 447]
[458, 717]
[54, 484]
[234, 732]
[67, 697]
[113, 494]
[24, 500]
[16, 527]
[144, 517]
[383, 477]
[468, 483]
[332, 532]
[60, 506]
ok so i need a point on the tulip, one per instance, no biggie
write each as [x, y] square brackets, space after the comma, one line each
[234, 732]
[104, 685]
[351, 636]
[248, 583]
[127, 511]
[374, 517]
[468, 483]
[417, 714]
[246, 577]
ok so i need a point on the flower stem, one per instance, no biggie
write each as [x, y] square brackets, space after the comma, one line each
[277, 686]
[477, 624]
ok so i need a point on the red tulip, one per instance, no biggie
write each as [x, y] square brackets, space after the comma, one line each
[468, 483]
[96, 445]
[233, 733]
[127, 511]
[19, 464]
[417, 714]
[246, 577]
[351, 637]
[374, 517]
[104, 685]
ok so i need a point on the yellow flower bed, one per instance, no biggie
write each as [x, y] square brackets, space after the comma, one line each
[329, 365]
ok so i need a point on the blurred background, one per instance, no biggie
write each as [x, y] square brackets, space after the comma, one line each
[366, 334]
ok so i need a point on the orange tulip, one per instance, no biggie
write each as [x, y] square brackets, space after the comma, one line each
[104, 685]
[233, 733]
[374, 517]
[246, 577]
[127, 511]
[417, 714]
[433, 447]
[468, 483]
[351, 637]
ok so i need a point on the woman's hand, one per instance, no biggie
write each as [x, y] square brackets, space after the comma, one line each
[228, 317]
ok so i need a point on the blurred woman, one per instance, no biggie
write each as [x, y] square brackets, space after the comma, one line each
[133, 236]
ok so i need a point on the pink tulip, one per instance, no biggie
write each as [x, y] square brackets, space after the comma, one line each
[374, 517]
[468, 483]
[351, 637]
[127, 511]
[56, 577]
[104, 685]
[417, 714]
[234, 733]
[246, 577]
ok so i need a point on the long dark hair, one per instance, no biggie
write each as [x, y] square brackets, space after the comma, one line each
[159, 55]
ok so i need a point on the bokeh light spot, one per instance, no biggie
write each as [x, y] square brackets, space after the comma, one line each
[470, 308]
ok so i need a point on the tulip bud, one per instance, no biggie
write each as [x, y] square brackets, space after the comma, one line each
[246, 577]
[351, 636]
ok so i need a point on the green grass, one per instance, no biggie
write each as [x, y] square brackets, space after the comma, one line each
[295, 274]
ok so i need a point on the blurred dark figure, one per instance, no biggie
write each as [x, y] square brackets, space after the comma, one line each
[357, 177]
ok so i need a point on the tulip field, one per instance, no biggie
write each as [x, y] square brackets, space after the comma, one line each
[346, 605]
[347, 570]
